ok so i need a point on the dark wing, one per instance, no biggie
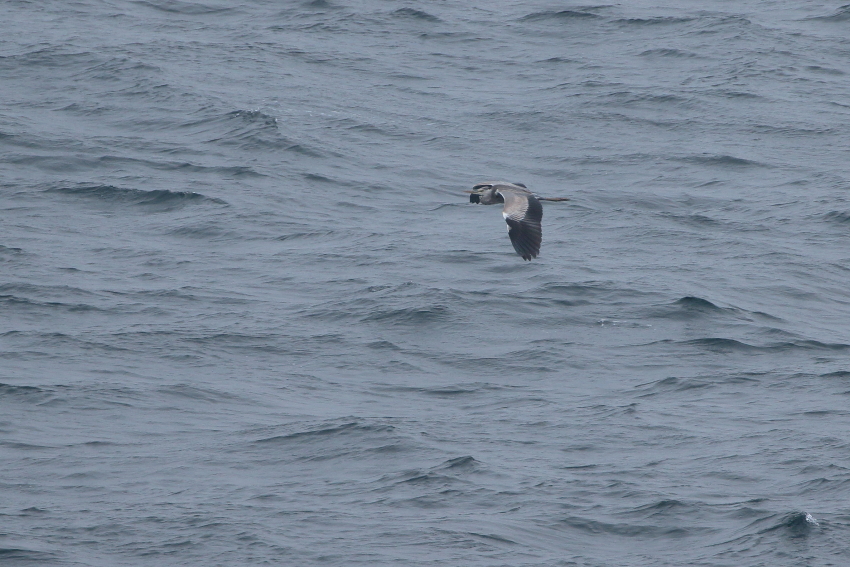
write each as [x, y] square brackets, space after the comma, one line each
[523, 213]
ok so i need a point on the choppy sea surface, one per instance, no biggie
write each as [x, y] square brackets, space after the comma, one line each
[249, 317]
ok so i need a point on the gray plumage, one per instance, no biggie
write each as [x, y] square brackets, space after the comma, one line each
[522, 212]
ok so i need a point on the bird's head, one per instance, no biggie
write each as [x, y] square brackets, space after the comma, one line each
[479, 190]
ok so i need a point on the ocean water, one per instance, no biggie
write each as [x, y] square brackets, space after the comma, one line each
[249, 317]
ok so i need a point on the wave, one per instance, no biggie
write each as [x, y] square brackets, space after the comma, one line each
[559, 15]
[160, 200]
[11, 301]
[343, 429]
[668, 52]
[111, 70]
[558, 60]
[632, 98]
[415, 14]
[410, 315]
[842, 14]
[691, 307]
[300, 235]
[10, 251]
[840, 217]
[670, 509]
[628, 529]
[205, 231]
[341, 439]
[219, 171]
[45, 290]
[465, 464]
[182, 7]
[793, 525]
[720, 344]
[22, 556]
[319, 4]
[736, 94]
[654, 21]
[50, 57]
[676, 384]
[768, 530]
[196, 393]
[574, 294]
[447, 473]
[480, 388]
[25, 393]
[412, 304]
[247, 130]
[837, 374]
[692, 303]
[720, 160]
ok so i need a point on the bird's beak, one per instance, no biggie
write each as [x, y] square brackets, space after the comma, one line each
[468, 191]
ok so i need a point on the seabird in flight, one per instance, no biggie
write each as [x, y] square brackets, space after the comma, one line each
[522, 212]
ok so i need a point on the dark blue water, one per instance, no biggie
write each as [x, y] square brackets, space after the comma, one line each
[249, 317]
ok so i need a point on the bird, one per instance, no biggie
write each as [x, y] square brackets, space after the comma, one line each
[522, 212]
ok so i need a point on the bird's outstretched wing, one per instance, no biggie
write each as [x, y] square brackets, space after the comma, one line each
[523, 213]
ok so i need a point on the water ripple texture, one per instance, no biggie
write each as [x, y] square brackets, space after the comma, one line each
[249, 317]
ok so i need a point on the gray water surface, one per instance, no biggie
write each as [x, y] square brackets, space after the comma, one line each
[249, 316]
